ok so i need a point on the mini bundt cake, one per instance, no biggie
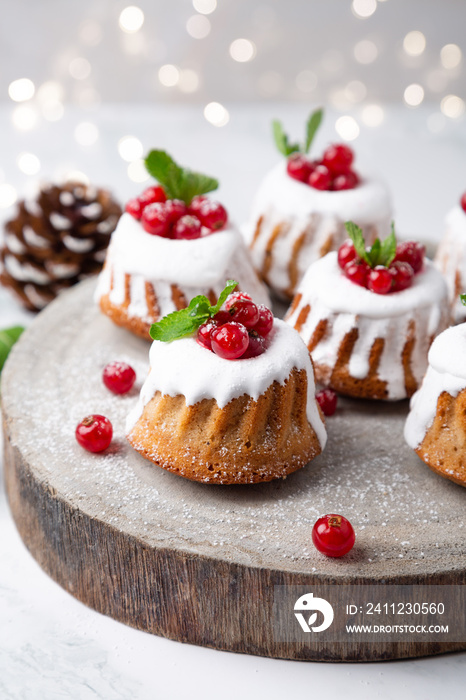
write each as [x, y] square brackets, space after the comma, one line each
[171, 244]
[436, 424]
[300, 210]
[368, 317]
[232, 404]
[451, 258]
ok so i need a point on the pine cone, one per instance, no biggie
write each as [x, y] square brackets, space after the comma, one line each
[56, 240]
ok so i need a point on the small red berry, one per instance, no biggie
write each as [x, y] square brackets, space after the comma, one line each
[151, 195]
[463, 202]
[265, 322]
[94, 433]
[411, 252]
[175, 209]
[222, 317]
[346, 254]
[230, 341]
[234, 296]
[196, 203]
[212, 214]
[204, 333]
[338, 158]
[380, 280]
[156, 220]
[357, 271]
[119, 377]
[320, 178]
[402, 274]
[135, 208]
[333, 535]
[345, 181]
[256, 346]
[299, 167]
[187, 227]
[243, 311]
[327, 400]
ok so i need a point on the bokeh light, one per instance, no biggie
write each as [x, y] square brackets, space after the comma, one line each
[242, 50]
[79, 68]
[347, 128]
[21, 90]
[8, 195]
[216, 114]
[205, 7]
[131, 19]
[137, 171]
[198, 26]
[188, 81]
[414, 43]
[452, 106]
[24, 117]
[28, 163]
[364, 8]
[86, 133]
[450, 56]
[372, 115]
[169, 75]
[413, 95]
[365, 51]
[130, 148]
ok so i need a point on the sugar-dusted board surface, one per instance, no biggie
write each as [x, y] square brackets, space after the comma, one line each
[198, 563]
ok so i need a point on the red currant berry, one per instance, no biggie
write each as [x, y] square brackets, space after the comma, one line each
[151, 195]
[94, 433]
[204, 333]
[320, 178]
[196, 204]
[463, 202]
[134, 207]
[156, 220]
[265, 322]
[346, 181]
[411, 252]
[256, 346]
[380, 280]
[222, 317]
[187, 227]
[235, 296]
[338, 158]
[230, 341]
[346, 254]
[402, 274]
[327, 400]
[119, 377]
[299, 167]
[175, 209]
[212, 214]
[333, 535]
[243, 311]
[357, 271]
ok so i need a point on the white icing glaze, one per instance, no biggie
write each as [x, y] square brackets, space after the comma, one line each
[446, 372]
[185, 368]
[78, 245]
[298, 208]
[345, 305]
[451, 259]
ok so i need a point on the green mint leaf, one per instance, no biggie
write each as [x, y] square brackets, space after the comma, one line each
[388, 250]
[199, 306]
[229, 288]
[8, 338]
[374, 253]
[463, 299]
[281, 140]
[312, 125]
[355, 233]
[178, 183]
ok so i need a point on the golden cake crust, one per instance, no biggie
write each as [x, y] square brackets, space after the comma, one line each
[245, 442]
[444, 446]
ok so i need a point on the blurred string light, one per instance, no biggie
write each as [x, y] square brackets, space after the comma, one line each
[24, 117]
[131, 19]
[452, 106]
[198, 26]
[365, 51]
[414, 43]
[413, 95]
[355, 91]
[169, 75]
[306, 81]
[21, 90]
[372, 115]
[28, 163]
[188, 81]
[86, 133]
[137, 171]
[347, 127]
[205, 7]
[79, 68]
[216, 114]
[242, 50]
[8, 195]
[450, 56]
[130, 148]
[363, 8]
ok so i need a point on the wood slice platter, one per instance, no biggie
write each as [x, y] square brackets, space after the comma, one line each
[199, 563]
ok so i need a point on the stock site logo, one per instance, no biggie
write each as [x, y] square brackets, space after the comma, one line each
[308, 604]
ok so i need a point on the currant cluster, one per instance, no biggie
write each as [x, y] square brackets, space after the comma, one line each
[408, 261]
[238, 330]
[463, 202]
[333, 172]
[172, 218]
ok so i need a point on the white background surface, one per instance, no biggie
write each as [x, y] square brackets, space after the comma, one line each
[51, 646]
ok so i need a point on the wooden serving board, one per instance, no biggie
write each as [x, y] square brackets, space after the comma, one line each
[199, 563]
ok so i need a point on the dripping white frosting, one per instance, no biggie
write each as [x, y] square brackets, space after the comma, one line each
[446, 372]
[345, 305]
[185, 368]
[451, 259]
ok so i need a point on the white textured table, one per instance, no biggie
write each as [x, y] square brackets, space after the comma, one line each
[51, 646]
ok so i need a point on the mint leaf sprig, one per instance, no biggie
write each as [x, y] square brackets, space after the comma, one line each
[8, 337]
[282, 141]
[463, 299]
[178, 182]
[380, 253]
[180, 324]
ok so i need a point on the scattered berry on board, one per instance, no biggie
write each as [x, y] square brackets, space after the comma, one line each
[333, 535]
[94, 433]
[463, 202]
[327, 400]
[119, 377]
